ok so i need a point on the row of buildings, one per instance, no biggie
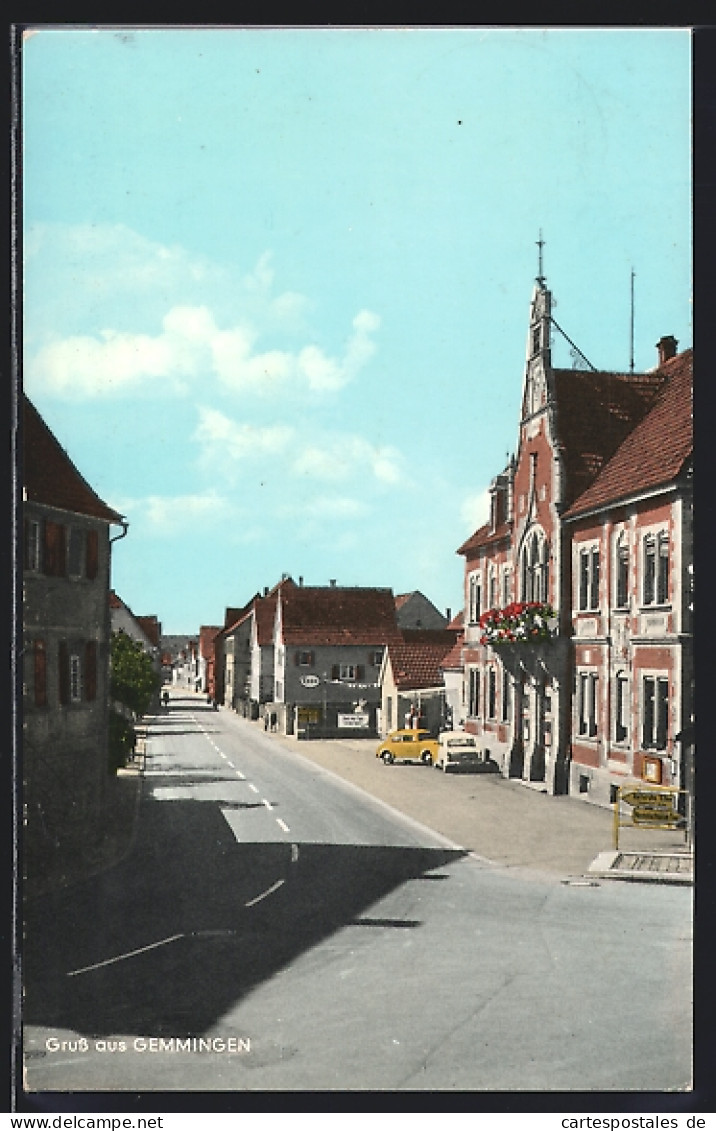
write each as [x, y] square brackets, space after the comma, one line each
[572, 659]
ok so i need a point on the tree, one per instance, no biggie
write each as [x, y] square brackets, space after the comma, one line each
[133, 680]
[133, 683]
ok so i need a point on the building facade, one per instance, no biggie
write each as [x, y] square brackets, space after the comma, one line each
[539, 686]
[66, 647]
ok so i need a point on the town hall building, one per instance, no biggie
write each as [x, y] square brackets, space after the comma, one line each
[578, 616]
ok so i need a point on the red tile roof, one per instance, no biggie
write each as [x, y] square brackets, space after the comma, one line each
[207, 634]
[653, 454]
[453, 660]
[152, 629]
[49, 475]
[418, 664]
[595, 414]
[458, 620]
[336, 616]
[484, 536]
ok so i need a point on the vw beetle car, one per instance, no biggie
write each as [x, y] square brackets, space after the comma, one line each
[410, 745]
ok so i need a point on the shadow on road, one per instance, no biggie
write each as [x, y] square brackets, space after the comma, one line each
[192, 921]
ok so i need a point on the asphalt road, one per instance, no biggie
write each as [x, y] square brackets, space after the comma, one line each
[276, 928]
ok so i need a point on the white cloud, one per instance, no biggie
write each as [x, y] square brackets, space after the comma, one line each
[475, 509]
[223, 439]
[343, 457]
[108, 312]
[173, 514]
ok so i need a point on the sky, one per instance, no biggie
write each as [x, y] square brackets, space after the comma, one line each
[276, 281]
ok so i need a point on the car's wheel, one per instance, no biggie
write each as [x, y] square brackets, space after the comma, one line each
[426, 757]
[387, 757]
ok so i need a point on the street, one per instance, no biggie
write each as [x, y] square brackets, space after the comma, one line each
[275, 928]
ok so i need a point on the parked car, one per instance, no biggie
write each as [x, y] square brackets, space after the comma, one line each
[408, 746]
[459, 751]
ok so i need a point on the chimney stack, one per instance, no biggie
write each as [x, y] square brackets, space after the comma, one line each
[667, 348]
[300, 582]
[333, 583]
[448, 614]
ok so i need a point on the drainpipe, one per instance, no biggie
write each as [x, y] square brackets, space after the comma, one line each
[118, 537]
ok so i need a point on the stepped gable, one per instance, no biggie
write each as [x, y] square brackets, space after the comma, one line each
[49, 475]
[656, 451]
[336, 615]
[595, 413]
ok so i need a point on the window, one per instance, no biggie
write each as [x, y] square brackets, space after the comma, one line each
[506, 694]
[92, 564]
[655, 712]
[63, 664]
[491, 693]
[473, 695]
[474, 598]
[304, 659]
[534, 572]
[33, 544]
[75, 679]
[91, 670]
[40, 673]
[348, 673]
[505, 587]
[376, 658]
[76, 552]
[492, 589]
[589, 578]
[621, 715]
[622, 573]
[655, 588]
[55, 549]
[587, 703]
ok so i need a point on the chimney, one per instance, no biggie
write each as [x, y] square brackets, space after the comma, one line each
[300, 582]
[266, 590]
[448, 614]
[333, 583]
[667, 348]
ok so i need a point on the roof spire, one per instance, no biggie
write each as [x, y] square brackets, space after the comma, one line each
[540, 268]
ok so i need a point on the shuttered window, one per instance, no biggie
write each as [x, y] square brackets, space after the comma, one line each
[91, 670]
[92, 550]
[55, 549]
[63, 658]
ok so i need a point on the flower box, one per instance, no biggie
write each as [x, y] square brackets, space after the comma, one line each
[522, 622]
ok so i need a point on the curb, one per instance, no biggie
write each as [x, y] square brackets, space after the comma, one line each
[645, 867]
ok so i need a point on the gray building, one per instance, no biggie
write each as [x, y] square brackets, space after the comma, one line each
[66, 630]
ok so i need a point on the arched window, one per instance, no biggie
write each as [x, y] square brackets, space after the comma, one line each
[534, 568]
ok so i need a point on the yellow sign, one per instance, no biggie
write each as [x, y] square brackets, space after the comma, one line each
[649, 797]
[651, 808]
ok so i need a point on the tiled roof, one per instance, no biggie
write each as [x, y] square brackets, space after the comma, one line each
[417, 664]
[49, 475]
[484, 536]
[335, 616]
[453, 660]
[207, 635]
[401, 598]
[115, 602]
[446, 636]
[152, 629]
[458, 620]
[654, 453]
[595, 414]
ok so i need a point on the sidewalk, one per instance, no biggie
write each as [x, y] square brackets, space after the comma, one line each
[504, 821]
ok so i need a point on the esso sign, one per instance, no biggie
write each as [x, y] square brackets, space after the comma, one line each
[310, 680]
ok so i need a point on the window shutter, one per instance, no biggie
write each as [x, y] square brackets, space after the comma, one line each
[92, 563]
[296, 658]
[64, 673]
[91, 669]
[55, 551]
[40, 674]
[26, 556]
[312, 659]
[360, 672]
[335, 672]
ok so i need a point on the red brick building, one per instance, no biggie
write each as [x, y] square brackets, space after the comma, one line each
[578, 691]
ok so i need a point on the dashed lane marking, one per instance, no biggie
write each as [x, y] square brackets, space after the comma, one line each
[268, 804]
[264, 894]
[253, 787]
[282, 825]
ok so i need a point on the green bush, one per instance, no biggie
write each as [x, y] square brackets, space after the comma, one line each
[121, 741]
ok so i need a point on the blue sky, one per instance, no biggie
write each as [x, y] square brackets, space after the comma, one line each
[276, 281]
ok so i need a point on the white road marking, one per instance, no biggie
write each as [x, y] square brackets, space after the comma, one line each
[294, 853]
[121, 957]
[252, 786]
[268, 804]
[282, 825]
[264, 894]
